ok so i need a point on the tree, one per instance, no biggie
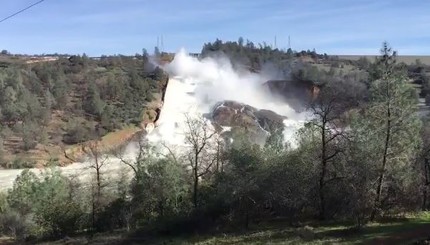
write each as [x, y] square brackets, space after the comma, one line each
[60, 92]
[423, 160]
[239, 185]
[145, 154]
[22, 194]
[363, 63]
[47, 201]
[198, 136]
[240, 41]
[2, 160]
[290, 53]
[391, 124]
[144, 53]
[55, 206]
[98, 161]
[385, 64]
[162, 189]
[77, 132]
[326, 110]
[157, 52]
[92, 103]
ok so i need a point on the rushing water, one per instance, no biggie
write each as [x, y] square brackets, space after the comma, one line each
[195, 86]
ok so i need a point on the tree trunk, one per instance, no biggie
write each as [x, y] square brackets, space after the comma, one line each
[93, 216]
[323, 172]
[384, 164]
[99, 186]
[217, 157]
[424, 206]
[196, 180]
[97, 167]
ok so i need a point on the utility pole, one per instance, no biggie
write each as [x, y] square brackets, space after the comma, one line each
[158, 42]
[289, 42]
[162, 44]
[276, 45]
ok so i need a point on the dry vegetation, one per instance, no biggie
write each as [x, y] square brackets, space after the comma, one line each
[407, 59]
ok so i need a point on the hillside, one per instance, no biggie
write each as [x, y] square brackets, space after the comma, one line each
[407, 59]
[50, 106]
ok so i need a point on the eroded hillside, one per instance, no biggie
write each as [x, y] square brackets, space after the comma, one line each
[48, 109]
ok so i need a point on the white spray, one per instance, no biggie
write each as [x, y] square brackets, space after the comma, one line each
[195, 86]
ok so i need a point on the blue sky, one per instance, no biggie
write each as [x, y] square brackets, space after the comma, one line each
[126, 26]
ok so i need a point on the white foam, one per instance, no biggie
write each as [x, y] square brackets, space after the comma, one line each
[196, 86]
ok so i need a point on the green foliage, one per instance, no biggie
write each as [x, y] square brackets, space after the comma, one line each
[385, 64]
[60, 92]
[248, 54]
[30, 135]
[106, 94]
[161, 189]
[387, 132]
[4, 206]
[47, 201]
[240, 183]
[92, 103]
[77, 132]
[23, 192]
[15, 225]
[19, 163]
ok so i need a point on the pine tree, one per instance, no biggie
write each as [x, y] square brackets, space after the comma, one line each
[92, 103]
[390, 125]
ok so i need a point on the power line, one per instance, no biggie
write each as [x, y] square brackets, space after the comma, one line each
[22, 10]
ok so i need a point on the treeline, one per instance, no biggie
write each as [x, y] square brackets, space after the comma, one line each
[247, 53]
[282, 64]
[73, 100]
[355, 162]
[256, 56]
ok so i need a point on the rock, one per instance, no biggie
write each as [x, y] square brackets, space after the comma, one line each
[296, 93]
[257, 124]
[269, 120]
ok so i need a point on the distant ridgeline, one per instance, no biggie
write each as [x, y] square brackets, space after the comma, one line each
[285, 64]
[255, 56]
[50, 102]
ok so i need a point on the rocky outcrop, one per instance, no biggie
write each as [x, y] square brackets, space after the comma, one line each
[231, 117]
[296, 93]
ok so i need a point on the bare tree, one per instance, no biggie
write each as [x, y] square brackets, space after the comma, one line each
[136, 163]
[98, 160]
[198, 137]
[327, 110]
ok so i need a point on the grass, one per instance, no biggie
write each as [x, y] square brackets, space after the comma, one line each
[6, 240]
[395, 231]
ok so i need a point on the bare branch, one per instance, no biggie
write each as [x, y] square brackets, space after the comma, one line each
[207, 169]
[332, 155]
[170, 152]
